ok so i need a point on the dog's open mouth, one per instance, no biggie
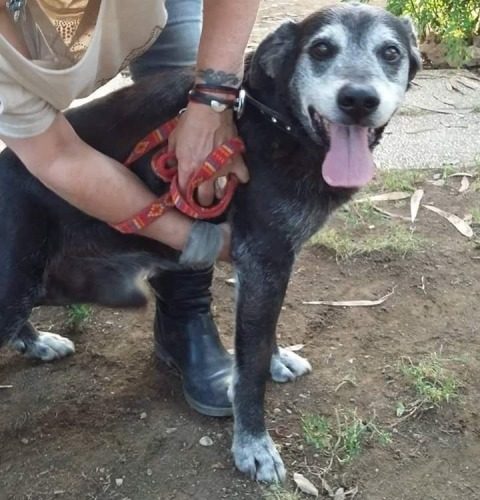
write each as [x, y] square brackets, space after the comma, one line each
[349, 161]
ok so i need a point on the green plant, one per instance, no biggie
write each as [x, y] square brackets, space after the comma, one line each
[401, 180]
[343, 439]
[77, 314]
[317, 431]
[476, 215]
[360, 213]
[453, 22]
[278, 493]
[432, 382]
[394, 240]
[476, 185]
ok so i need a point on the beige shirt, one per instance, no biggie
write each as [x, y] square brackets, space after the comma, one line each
[67, 64]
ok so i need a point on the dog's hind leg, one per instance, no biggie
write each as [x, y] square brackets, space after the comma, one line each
[44, 346]
[23, 257]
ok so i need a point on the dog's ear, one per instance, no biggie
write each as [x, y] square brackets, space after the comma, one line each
[414, 52]
[271, 53]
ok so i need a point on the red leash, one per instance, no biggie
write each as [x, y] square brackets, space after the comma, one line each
[213, 164]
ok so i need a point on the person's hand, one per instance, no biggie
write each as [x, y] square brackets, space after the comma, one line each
[199, 131]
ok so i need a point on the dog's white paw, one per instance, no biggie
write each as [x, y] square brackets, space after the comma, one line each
[258, 457]
[47, 347]
[286, 366]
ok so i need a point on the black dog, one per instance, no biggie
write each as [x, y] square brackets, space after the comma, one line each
[325, 88]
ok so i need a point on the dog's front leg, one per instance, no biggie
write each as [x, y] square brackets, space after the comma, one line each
[262, 282]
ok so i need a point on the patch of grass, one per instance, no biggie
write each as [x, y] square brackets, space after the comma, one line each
[476, 215]
[77, 315]
[394, 240]
[448, 170]
[279, 493]
[401, 180]
[317, 431]
[433, 383]
[360, 213]
[475, 185]
[343, 439]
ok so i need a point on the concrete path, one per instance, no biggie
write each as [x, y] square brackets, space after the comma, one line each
[438, 125]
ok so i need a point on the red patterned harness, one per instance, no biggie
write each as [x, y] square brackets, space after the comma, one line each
[213, 164]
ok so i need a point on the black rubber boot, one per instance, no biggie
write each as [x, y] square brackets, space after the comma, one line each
[186, 337]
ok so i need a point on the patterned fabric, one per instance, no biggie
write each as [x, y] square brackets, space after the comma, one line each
[68, 26]
[161, 165]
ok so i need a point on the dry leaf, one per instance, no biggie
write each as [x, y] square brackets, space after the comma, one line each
[459, 224]
[461, 174]
[468, 83]
[439, 182]
[351, 303]
[393, 196]
[327, 488]
[352, 492]
[304, 485]
[296, 347]
[415, 204]
[390, 214]
[464, 185]
[455, 86]
[339, 494]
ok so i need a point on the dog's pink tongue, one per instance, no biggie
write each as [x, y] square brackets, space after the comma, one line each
[349, 162]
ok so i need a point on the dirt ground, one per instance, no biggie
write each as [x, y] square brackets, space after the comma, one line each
[111, 423]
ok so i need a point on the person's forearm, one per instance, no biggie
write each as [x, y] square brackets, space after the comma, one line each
[93, 182]
[227, 25]
[106, 190]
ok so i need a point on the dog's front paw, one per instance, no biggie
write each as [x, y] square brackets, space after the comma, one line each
[286, 366]
[46, 347]
[258, 457]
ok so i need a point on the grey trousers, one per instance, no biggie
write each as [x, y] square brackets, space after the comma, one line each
[177, 45]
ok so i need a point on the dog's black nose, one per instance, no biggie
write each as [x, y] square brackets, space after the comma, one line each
[358, 101]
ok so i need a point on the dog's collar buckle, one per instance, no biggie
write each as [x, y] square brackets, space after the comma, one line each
[239, 106]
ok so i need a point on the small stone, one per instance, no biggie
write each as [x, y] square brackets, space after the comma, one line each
[119, 481]
[277, 411]
[170, 430]
[143, 415]
[149, 472]
[206, 441]
[24, 440]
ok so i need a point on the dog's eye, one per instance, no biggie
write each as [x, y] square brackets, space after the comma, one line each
[322, 50]
[391, 54]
